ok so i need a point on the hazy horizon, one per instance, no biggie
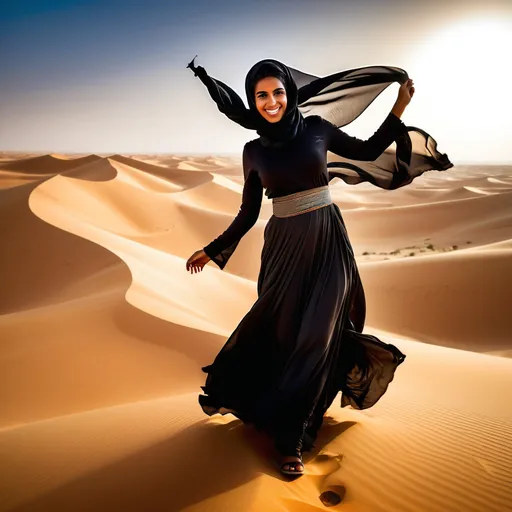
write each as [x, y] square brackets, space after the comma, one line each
[83, 76]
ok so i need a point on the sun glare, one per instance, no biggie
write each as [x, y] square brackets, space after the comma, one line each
[462, 73]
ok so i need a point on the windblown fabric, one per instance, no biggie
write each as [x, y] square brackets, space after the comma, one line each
[302, 341]
[338, 98]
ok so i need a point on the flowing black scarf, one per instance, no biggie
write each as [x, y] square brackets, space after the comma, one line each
[339, 98]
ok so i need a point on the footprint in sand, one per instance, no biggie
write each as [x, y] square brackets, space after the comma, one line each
[333, 496]
[325, 465]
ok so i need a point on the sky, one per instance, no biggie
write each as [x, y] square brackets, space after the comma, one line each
[109, 76]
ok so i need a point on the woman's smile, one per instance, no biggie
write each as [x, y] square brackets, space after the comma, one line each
[272, 112]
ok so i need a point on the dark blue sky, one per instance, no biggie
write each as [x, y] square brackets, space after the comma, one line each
[109, 75]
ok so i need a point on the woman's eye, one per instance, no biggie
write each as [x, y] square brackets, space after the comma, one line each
[264, 95]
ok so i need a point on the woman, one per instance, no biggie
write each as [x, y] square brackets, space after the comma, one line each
[301, 342]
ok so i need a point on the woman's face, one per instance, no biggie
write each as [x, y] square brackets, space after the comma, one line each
[270, 98]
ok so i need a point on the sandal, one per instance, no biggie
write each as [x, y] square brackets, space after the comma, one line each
[295, 467]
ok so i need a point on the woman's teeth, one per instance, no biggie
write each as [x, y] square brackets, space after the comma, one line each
[272, 112]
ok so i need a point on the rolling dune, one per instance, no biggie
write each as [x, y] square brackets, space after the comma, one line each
[18, 172]
[104, 334]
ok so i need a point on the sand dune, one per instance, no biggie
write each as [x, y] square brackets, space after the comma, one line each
[104, 334]
[39, 261]
[174, 176]
[220, 195]
[93, 352]
[26, 170]
[434, 298]
[480, 220]
[47, 164]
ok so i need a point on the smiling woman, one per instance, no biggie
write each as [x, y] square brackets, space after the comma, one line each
[302, 341]
[271, 99]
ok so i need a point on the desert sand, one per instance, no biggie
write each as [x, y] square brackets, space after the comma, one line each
[103, 334]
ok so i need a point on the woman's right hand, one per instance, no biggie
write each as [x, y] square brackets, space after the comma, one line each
[197, 261]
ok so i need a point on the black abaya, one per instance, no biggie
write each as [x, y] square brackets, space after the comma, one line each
[301, 343]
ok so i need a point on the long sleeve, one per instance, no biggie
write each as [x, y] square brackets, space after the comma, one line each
[368, 160]
[227, 100]
[221, 249]
[369, 150]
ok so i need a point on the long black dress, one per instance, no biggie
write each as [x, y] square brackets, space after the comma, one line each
[301, 342]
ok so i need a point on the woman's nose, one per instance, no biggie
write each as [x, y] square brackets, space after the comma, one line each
[271, 100]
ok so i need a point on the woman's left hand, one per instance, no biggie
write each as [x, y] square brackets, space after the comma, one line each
[406, 92]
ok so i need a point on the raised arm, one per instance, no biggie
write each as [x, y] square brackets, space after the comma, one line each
[369, 150]
[220, 249]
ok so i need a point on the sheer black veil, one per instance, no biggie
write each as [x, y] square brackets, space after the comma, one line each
[339, 98]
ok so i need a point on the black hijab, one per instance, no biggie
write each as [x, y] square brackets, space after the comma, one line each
[339, 98]
[292, 123]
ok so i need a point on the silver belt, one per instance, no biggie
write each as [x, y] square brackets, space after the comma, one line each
[301, 202]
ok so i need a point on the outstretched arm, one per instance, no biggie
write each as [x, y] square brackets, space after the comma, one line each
[227, 100]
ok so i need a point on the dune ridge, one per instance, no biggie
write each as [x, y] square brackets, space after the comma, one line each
[104, 335]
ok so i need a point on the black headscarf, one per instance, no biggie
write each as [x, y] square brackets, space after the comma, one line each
[339, 98]
[292, 122]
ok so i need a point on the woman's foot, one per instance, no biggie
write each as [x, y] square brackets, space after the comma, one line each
[292, 465]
